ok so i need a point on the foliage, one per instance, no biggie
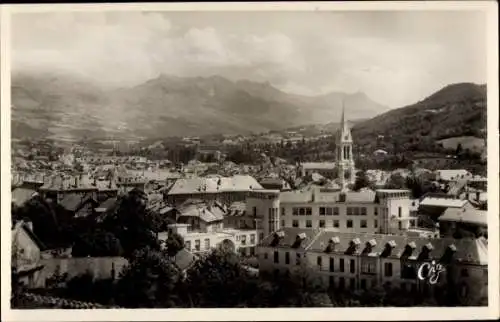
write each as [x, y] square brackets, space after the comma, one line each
[362, 181]
[149, 280]
[219, 280]
[174, 244]
[132, 223]
[97, 243]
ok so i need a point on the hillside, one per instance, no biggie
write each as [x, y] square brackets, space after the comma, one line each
[64, 107]
[456, 111]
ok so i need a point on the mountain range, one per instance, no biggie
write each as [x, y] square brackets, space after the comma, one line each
[456, 112]
[66, 107]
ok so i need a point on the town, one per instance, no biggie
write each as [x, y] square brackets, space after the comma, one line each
[247, 222]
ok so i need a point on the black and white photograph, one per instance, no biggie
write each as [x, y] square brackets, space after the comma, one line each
[231, 159]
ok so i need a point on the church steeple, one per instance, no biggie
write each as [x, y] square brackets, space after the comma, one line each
[345, 160]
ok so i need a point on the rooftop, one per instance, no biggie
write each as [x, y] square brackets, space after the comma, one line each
[467, 215]
[214, 185]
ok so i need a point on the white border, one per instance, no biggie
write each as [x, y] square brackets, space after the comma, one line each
[261, 314]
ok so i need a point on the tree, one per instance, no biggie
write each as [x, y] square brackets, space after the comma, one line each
[362, 181]
[396, 181]
[174, 244]
[149, 280]
[96, 244]
[132, 223]
[219, 280]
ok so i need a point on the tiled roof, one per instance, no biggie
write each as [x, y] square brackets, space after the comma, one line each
[212, 185]
[453, 174]
[319, 165]
[467, 250]
[473, 216]
[443, 202]
[72, 202]
[205, 212]
[21, 195]
[107, 204]
[297, 238]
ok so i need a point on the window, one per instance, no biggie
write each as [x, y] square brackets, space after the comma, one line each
[319, 261]
[388, 269]
[375, 223]
[399, 212]
[282, 211]
[302, 211]
[187, 245]
[207, 243]
[297, 259]
[363, 284]
[400, 225]
[330, 282]
[309, 211]
[322, 211]
[252, 238]
[336, 211]
[464, 272]
[287, 258]
[363, 223]
[341, 283]
[341, 265]
[243, 239]
[254, 211]
[322, 224]
[197, 244]
[295, 211]
[363, 211]
[308, 223]
[332, 264]
[349, 211]
[352, 267]
[336, 223]
[261, 236]
[352, 283]
[368, 267]
[329, 211]
[349, 224]
[375, 211]
[295, 223]
[282, 223]
[276, 257]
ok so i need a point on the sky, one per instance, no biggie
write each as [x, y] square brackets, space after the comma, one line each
[395, 57]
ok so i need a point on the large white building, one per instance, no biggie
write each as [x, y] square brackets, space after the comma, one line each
[342, 260]
[381, 211]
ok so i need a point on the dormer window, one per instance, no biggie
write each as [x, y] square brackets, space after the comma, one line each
[332, 243]
[369, 246]
[298, 240]
[353, 246]
[388, 248]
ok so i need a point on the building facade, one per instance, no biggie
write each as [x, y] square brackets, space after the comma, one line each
[359, 261]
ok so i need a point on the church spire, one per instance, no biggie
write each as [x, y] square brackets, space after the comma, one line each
[342, 120]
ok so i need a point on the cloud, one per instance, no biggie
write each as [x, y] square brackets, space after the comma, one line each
[395, 58]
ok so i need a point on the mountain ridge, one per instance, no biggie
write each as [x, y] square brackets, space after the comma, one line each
[61, 106]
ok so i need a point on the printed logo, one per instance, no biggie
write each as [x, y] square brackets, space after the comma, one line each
[430, 272]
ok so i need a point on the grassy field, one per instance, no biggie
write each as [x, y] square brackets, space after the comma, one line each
[468, 142]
